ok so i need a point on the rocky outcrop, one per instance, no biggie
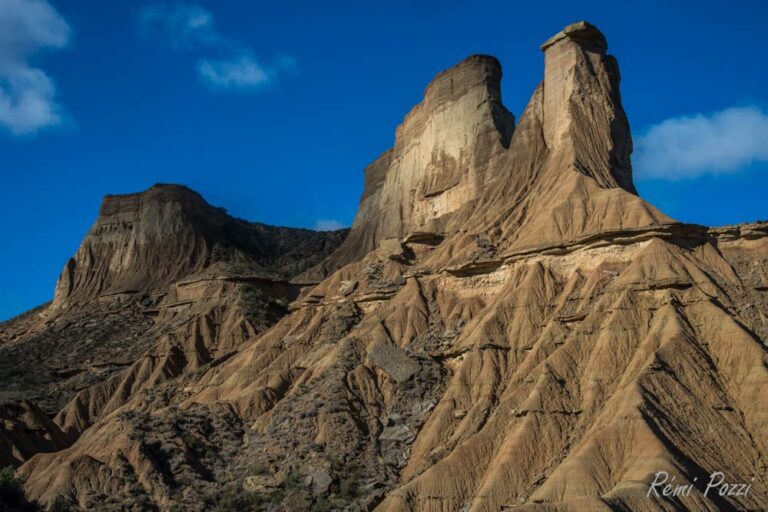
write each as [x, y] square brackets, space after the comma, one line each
[25, 431]
[582, 112]
[507, 326]
[441, 160]
[144, 242]
[567, 174]
[163, 284]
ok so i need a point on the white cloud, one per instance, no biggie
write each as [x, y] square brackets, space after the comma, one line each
[27, 94]
[691, 146]
[191, 27]
[240, 72]
[328, 225]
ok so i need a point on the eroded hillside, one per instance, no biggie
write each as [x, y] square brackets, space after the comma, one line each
[508, 325]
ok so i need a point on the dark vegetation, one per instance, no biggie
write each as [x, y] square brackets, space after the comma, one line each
[292, 495]
[13, 498]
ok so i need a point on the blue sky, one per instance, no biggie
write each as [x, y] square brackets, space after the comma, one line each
[273, 111]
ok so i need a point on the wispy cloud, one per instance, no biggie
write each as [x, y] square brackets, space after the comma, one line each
[181, 25]
[240, 72]
[328, 225]
[27, 93]
[690, 146]
[229, 64]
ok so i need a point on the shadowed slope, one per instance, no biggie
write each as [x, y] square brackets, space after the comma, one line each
[162, 284]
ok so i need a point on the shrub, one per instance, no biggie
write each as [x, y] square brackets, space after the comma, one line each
[60, 504]
[349, 487]
[235, 501]
[322, 505]
[12, 497]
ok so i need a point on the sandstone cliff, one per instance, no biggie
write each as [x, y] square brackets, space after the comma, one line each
[507, 326]
[144, 242]
[162, 283]
[442, 159]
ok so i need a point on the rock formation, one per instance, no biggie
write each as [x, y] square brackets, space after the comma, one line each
[441, 160]
[143, 242]
[506, 326]
[162, 283]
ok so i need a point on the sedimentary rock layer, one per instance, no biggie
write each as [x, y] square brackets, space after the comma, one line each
[507, 326]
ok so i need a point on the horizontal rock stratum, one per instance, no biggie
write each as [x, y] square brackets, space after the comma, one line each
[506, 326]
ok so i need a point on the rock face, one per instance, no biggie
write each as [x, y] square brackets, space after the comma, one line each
[582, 113]
[26, 431]
[162, 284]
[507, 326]
[441, 160]
[144, 242]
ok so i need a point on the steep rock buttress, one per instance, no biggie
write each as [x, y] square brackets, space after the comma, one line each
[441, 160]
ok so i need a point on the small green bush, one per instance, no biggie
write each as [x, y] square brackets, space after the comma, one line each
[234, 500]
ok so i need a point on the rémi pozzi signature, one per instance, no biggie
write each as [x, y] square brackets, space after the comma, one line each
[664, 485]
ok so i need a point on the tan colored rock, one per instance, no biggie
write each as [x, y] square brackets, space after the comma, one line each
[391, 248]
[440, 160]
[145, 242]
[549, 344]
